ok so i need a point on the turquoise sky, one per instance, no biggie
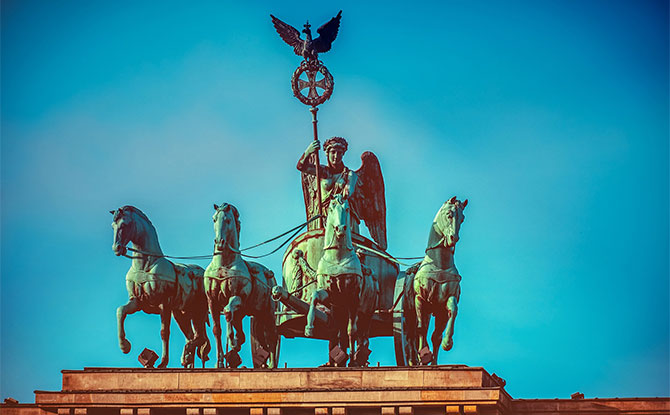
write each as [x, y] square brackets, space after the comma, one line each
[551, 117]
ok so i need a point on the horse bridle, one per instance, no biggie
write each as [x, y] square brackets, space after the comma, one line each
[443, 239]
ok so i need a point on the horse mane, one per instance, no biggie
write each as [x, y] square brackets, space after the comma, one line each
[139, 212]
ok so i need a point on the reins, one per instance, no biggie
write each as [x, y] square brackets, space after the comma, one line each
[296, 230]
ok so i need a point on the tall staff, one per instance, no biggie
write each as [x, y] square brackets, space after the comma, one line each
[313, 110]
[319, 81]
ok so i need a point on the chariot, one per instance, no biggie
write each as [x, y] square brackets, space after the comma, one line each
[298, 285]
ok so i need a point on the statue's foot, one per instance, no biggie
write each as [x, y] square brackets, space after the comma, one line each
[448, 344]
[309, 331]
[125, 346]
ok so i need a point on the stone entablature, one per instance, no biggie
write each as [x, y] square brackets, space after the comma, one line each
[456, 390]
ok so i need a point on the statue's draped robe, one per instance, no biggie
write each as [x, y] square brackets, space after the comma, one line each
[366, 203]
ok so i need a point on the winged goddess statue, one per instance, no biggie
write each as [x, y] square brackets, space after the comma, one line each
[309, 48]
[364, 187]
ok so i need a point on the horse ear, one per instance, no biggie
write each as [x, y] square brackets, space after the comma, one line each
[465, 202]
[452, 200]
[216, 207]
[112, 211]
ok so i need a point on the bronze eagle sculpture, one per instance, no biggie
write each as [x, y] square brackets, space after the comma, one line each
[309, 48]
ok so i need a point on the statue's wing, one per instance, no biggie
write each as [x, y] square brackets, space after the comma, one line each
[289, 34]
[311, 201]
[370, 200]
[327, 34]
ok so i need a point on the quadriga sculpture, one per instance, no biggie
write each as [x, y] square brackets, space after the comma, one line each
[342, 284]
[238, 288]
[157, 286]
[436, 283]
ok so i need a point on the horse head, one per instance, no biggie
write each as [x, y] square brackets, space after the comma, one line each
[124, 229]
[448, 221]
[226, 227]
[337, 223]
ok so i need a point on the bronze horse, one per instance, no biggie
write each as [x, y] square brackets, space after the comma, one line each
[238, 288]
[158, 286]
[436, 283]
[342, 284]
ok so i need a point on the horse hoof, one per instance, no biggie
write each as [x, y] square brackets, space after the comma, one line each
[163, 364]
[446, 346]
[220, 364]
[125, 346]
[309, 331]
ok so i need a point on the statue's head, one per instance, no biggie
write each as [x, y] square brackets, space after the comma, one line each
[335, 147]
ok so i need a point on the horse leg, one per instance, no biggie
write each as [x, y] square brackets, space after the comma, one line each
[352, 327]
[340, 337]
[319, 297]
[132, 306]
[234, 318]
[240, 338]
[270, 334]
[352, 333]
[166, 315]
[200, 340]
[215, 311]
[436, 337]
[422, 319]
[184, 322]
[452, 308]
[362, 334]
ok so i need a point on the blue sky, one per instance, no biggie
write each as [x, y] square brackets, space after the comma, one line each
[550, 117]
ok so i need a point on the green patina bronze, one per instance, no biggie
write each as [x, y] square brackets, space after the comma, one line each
[238, 288]
[158, 286]
[432, 287]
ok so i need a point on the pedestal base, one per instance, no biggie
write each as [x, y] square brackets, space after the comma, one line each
[445, 390]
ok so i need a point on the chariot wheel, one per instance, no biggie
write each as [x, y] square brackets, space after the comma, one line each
[255, 344]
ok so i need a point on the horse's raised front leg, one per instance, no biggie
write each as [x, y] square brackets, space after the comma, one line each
[319, 297]
[200, 339]
[234, 317]
[184, 322]
[436, 337]
[452, 308]
[132, 306]
[166, 315]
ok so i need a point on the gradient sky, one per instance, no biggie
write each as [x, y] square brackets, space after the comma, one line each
[551, 117]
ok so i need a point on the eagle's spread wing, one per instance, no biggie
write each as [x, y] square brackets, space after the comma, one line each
[289, 34]
[327, 34]
[370, 199]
